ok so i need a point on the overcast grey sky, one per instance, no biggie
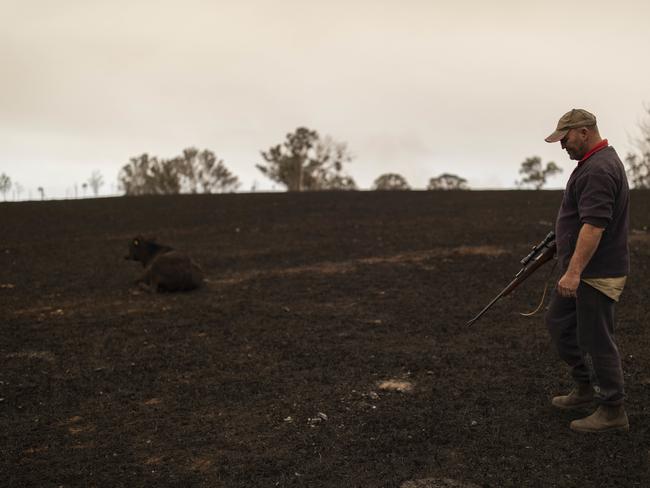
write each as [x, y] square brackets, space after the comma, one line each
[415, 87]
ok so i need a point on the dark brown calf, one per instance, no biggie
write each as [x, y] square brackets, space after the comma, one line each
[165, 269]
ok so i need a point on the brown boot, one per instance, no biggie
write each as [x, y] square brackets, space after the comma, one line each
[605, 419]
[580, 397]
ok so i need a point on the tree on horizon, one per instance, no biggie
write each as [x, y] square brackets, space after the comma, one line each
[203, 172]
[307, 162]
[638, 164]
[5, 185]
[535, 174]
[18, 189]
[390, 181]
[193, 172]
[447, 181]
[95, 182]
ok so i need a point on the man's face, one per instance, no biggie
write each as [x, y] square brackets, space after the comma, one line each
[575, 143]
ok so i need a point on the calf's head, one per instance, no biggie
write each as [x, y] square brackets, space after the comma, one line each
[143, 249]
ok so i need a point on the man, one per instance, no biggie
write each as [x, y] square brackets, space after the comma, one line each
[592, 250]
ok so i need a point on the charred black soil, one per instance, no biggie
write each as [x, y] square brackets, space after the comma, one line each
[328, 347]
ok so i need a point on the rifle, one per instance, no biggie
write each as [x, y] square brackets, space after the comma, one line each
[541, 253]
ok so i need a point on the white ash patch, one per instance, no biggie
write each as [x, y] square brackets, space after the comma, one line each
[341, 267]
[639, 236]
[479, 250]
[42, 355]
[437, 483]
[401, 386]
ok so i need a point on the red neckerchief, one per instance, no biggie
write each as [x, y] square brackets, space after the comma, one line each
[601, 145]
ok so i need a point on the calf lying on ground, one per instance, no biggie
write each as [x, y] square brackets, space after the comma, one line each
[165, 269]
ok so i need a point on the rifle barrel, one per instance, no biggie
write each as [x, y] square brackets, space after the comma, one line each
[543, 254]
[480, 314]
[489, 305]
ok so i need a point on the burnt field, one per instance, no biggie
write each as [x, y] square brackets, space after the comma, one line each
[328, 348]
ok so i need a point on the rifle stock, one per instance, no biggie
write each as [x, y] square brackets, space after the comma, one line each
[541, 253]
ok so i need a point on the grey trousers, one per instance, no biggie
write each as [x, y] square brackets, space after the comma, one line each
[582, 329]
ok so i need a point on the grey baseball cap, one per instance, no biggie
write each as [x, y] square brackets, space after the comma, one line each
[573, 119]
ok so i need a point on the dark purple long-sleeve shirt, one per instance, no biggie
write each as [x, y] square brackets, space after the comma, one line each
[597, 193]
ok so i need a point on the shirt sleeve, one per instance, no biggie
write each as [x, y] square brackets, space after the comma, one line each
[596, 192]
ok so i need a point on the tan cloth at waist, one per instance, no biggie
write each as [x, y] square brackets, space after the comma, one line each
[612, 287]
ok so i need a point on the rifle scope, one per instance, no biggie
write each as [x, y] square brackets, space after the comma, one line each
[550, 237]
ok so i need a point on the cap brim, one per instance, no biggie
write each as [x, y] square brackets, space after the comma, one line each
[557, 136]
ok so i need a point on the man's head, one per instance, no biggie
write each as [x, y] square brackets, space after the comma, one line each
[577, 132]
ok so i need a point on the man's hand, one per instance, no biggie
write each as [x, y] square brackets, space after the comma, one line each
[588, 240]
[568, 285]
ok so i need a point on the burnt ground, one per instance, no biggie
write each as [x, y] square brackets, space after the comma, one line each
[272, 374]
